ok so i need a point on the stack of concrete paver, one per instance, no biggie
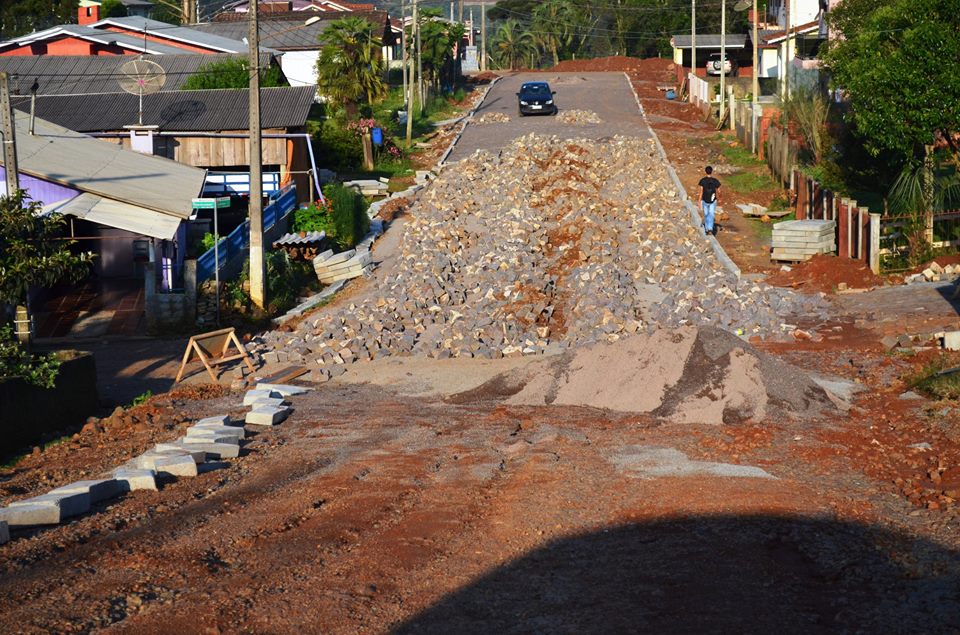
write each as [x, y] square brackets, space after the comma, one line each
[369, 187]
[210, 438]
[797, 240]
[331, 267]
[547, 243]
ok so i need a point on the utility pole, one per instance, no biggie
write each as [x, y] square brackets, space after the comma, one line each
[9, 136]
[410, 85]
[756, 61]
[693, 39]
[258, 287]
[403, 49]
[723, 58]
[483, 36]
[420, 59]
[460, 12]
[787, 59]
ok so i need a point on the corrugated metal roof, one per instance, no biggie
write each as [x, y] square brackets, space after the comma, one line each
[111, 213]
[177, 33]
[106, 169]
[99, 36]
[86, 74]
[179, 111]
[281, 35]
[709, 41]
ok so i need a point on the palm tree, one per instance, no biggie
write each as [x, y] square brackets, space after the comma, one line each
[350, 67]
[512, 45]
[557, 25]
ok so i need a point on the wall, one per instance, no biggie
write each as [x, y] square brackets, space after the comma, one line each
[211, 152]
[170, 311]
[39, 190]
[300, 67]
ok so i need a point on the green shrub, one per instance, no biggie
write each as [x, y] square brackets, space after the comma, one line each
[316, 217]
[16, 361]
[338, 146]
[350, 220]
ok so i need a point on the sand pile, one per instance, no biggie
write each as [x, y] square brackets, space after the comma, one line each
[684, 375]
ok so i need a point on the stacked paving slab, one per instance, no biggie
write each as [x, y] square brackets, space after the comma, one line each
[212, 438]
[797, 240]
[548, 243]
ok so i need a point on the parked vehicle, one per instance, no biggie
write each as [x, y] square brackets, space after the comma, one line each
[713, 65]
[536, 98]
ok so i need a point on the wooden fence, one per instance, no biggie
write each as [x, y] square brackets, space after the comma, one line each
[782, 153]
[858, 230]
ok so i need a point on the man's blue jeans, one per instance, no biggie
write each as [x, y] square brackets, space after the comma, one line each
[709, 210]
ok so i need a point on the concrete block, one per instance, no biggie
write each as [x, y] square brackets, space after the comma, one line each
[98, 489]
[255, 395]
[951, 340]
[26, 515]
[219, 420]
[235, 432]
[177, 447]
[216, 450]
[4, 532]
[264, 401]
[67, 505]
[285, 390]
[266, 415]
[135, 479]
[176, 465]
[212, 436]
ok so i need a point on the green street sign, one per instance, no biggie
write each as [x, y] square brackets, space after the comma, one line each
[219, 202]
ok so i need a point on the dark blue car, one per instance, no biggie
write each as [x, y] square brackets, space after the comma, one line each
[536, 98]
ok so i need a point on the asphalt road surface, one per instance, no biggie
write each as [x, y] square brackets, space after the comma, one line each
[607, 94]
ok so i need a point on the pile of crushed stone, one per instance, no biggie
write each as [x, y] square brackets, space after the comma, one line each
[682, 375]
[579, 117]
[491, 117]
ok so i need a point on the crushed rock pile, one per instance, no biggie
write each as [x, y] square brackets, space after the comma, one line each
[685, 375]
[547, 244]
[578, 117]
[491, 117]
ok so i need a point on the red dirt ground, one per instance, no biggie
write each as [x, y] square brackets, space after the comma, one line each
[825, 273]
[614, 63]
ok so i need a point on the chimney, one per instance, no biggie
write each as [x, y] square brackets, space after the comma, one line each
[88, 15]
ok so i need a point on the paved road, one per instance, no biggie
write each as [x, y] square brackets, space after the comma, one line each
[607, 94]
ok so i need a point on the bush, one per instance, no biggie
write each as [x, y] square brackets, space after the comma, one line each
[315, 217]
[16, 361]
[349, 214]
[338, 146]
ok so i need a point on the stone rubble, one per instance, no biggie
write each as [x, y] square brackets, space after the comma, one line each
[491, 117]
[547, 244]
[934, 273]
[578, 117]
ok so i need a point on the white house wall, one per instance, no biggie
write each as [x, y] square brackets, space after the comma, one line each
[801, 11]
[300, 67]
[769, 61]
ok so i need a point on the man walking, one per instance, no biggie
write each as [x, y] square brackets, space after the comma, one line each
[709, 197]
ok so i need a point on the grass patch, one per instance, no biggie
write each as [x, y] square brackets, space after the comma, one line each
[741, 157]
[747, 182]
[927, 381]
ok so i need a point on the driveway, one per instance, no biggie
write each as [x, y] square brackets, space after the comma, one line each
[607, 94]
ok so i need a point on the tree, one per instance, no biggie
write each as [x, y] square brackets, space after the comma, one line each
[512, 46]
[18, 17]
[350, 66]
[32, 253]
[893, 60]
[437, 39]
[233, 72]
[112, 9]
[560, 27]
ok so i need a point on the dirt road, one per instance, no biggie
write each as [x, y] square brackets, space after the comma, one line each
[410, 495]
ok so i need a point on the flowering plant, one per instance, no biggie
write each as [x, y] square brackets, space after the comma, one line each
[361, 127]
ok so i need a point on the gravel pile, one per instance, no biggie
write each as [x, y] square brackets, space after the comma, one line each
[549, 244]
[578, 117]
[492, 117]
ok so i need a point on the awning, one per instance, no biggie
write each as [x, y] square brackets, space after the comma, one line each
[119, 215]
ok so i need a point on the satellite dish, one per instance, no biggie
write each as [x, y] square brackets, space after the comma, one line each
[743, 5]
[142, 77]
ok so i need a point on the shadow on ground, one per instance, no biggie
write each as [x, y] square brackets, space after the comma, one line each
[723, 574]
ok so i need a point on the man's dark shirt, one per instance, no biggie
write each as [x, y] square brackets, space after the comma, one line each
[710, 186]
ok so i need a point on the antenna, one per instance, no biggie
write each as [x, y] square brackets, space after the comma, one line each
[142, 77]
